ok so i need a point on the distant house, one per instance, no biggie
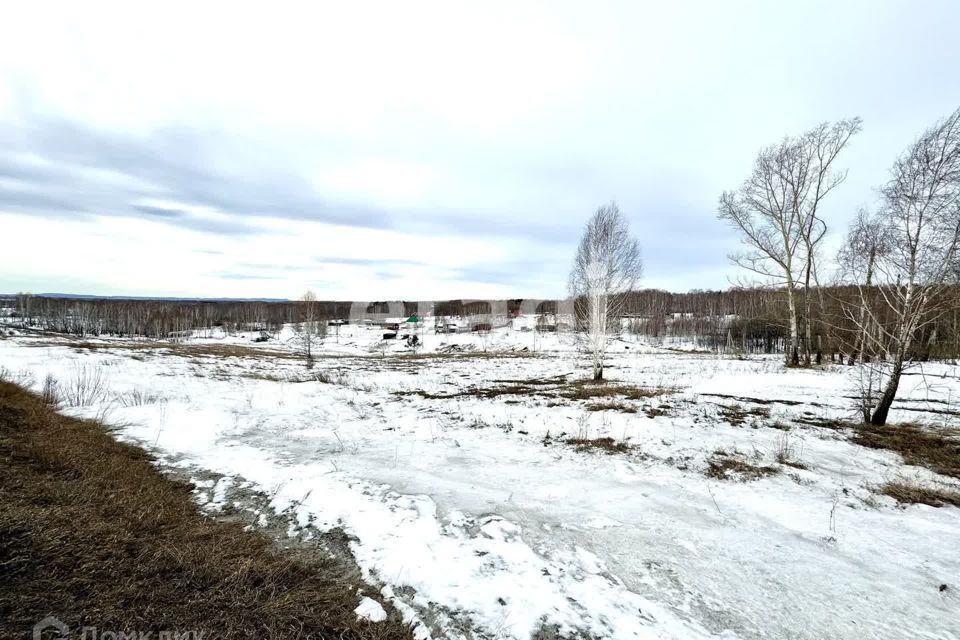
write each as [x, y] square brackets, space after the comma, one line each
[411, 325]
[446, 326]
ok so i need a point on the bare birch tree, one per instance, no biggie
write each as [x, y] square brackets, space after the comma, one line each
[868, 240]
[811, 180]
[606, 268]
[776, 211]
[921, 220]
[309, 330]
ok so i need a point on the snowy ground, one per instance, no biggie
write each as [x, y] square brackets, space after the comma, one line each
[479, 521]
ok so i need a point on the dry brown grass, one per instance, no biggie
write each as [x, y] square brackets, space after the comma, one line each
[935, 449]
[487, 393]
[91, 532]
[166, 347]
[656, 412]
[554, 388]
[916, 494]
[606, 445]
[461, 355]
[588, 390]
[738, 414]
[732, 466]
[612, 405]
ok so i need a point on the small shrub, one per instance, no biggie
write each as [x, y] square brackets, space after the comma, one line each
[21, 378]
[330, 377]
[51, 391]
[85, 387]
[786, 453]
[137, 398]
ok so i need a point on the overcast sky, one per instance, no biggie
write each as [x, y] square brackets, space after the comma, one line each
[426, 150]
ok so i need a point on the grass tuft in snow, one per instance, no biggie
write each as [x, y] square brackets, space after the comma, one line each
[738, 415]
[606, 445]
[138, 398]
[22, 378]
[788, 452]
[723, 465]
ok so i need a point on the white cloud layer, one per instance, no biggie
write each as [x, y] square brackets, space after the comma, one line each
[425, 150]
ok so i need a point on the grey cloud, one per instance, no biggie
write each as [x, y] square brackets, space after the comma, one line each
[366, 261]
[92, 171]
[219, 227]
[186, 220]
[178, 164]
[274, 266]
[246, 276]
[515, 225]
[159, 212]
[31, 202]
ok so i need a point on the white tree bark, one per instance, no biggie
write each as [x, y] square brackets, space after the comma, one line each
[606, 268]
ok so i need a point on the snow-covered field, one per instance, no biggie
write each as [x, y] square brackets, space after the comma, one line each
[477, 519]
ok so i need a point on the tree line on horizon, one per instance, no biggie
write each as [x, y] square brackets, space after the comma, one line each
[749, 320]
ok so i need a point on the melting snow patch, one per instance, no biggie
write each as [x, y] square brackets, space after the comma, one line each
[219, 498]
[371, 610]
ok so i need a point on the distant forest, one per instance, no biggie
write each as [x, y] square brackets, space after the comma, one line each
[747, 320]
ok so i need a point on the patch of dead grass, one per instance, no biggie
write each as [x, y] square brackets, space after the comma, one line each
[935, 449]
[589, 389]
[905, 493]
[92, 532]
[612, 405]
[167, 347]
[606, 445]
[656, 412]
[723, 465]
[554, 389]
[738, 414]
